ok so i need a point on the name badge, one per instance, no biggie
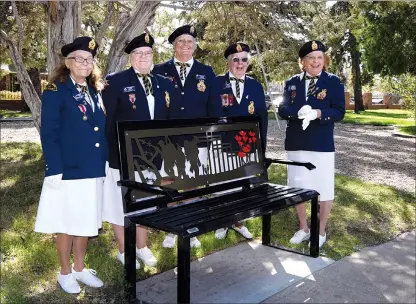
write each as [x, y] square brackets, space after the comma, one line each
[292, 88]
[200, 77]
[129, 89]
[227, 85]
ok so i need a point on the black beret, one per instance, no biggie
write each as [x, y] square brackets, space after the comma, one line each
[144, 39]
[311, 46]
[81, 43]
[186, 29]
[236, 48]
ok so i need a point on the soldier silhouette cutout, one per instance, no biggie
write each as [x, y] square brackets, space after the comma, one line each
[191, 153]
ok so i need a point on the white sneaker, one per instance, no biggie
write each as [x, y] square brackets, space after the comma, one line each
[300, 236]
[195, 243]
[120, 257]
[68, 283]
[169, 241]
[87, 276]
[322, 240]
[146, 255]
[221, 233]
[243, 231]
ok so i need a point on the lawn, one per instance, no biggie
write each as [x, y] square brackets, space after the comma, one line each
[14, 114]
[364, 214]
[383, 117]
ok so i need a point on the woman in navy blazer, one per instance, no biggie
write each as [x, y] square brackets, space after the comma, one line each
[75, 151]
[313, 101]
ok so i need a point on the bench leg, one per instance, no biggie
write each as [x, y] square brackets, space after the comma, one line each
[184, 269]
[314, 249]
[130, 259]
[266, 224]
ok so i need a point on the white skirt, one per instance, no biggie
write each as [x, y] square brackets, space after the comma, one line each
[113, 211]
[73, 208]
[321, 179]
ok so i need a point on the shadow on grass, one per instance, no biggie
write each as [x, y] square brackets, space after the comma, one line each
[408, 130]
[386, 114]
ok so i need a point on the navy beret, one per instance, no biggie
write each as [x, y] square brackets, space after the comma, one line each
[144, 39]
[186, 29]
[80, 44]
[236, 48]
[310, 46]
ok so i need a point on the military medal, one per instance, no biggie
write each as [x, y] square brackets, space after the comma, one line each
[132, 98]
[321, 95]
[230, 100]
[293, 95]
[224, 98]
[167, 99]
[83, 110]
[201, 85]
[251, 107]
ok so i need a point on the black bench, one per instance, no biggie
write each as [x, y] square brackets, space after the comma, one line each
[235, 161]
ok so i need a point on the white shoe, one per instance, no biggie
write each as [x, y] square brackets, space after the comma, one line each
[195, 243]
[221, 233]
[146, 255]
[87, 276]
[68, 283]
[169, 241]
[243, 231]
[300, 236]
[120, 257]
[322, 240]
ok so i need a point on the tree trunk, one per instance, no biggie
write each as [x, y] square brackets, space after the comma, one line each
[34, 75]
[64, 25]
[129, 25]
[358, 94]
[29, 93]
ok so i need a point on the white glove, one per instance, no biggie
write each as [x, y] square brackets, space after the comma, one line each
[304, 110]
[107, 167]
[311, 115]
[53, 180]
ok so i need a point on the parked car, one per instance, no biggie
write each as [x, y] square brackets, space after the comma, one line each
[274, 100]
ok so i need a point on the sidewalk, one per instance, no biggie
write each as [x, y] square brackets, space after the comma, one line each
[380, 274]
[251, 273]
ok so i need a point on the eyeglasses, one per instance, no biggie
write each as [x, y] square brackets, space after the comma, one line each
[315, 58]
[88, 60]
[139, 53]
[236, 59]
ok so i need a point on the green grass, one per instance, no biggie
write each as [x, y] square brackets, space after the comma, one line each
[14, 114]
[382, 117]
[364, 214]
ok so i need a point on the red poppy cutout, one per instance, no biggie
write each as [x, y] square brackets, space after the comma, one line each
[245, 142]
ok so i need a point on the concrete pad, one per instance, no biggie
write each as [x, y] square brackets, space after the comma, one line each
[246, 273]
[380, 274]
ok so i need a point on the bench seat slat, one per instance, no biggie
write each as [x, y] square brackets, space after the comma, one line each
[226, 209]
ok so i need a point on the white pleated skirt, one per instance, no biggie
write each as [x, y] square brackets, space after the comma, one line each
[113, 211]
[74, 207]
[321, 179]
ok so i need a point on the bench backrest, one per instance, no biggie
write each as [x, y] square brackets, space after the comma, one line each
[234, 156]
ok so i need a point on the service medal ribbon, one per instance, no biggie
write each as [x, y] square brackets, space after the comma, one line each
[132, 98]
[83, 110]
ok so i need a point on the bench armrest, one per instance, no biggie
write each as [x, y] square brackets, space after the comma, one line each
[173, 194]
[270, 161]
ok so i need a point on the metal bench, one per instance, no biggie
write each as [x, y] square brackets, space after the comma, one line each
[233, 185]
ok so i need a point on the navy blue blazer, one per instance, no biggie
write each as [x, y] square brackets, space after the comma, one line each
[253, 102]
[328, 97]
[121, 88]
[72, 146]
[199, 97]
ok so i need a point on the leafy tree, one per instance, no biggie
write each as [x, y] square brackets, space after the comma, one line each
[387, 36]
